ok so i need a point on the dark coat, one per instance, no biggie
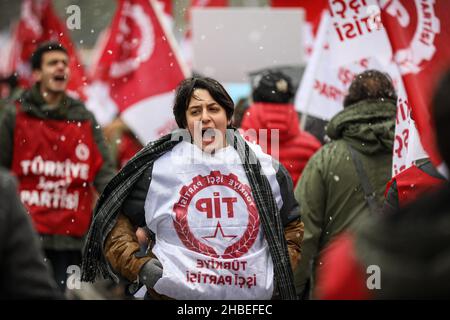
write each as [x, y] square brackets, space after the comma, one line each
[23, 273]
[410, 248]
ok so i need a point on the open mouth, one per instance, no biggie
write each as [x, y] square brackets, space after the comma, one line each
[59, 78]
[208, 135]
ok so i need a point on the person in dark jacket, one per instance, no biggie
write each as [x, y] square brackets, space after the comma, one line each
[331, 192]
[55, 148]
[272, 109]
[23, 272]
[403, 255]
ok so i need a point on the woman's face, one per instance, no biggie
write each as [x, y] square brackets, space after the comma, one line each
[206, 121]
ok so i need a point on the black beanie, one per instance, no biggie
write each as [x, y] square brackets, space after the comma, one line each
[272, 86]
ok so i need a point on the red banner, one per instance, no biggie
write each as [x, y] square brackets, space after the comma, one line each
[138, 63]
[419, 32]
[39, 23]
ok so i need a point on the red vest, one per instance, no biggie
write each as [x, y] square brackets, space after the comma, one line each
[56, 162]
[412, 183]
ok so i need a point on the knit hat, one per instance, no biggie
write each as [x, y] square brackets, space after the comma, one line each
[272, 86]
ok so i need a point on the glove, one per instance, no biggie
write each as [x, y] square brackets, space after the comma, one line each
[150, 273]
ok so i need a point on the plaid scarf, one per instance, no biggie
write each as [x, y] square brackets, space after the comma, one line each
[117, 190]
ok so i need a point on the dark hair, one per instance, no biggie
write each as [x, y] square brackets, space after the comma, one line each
[441, 116]
[273, 87]
[184, 93]
[241, 107]
[371, 84]
[36, 57]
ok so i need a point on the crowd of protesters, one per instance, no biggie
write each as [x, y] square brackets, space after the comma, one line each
[213, 211]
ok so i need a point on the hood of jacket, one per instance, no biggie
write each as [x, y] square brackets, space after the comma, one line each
[368, 126]
[33, 103]
[275, 116]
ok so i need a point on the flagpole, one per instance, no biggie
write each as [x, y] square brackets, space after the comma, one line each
[171, 40]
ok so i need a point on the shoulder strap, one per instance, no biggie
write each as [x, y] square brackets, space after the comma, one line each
[369, 193]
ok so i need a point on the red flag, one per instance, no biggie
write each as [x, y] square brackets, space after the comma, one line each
[39, 23]
[137, 72]
[419, 32]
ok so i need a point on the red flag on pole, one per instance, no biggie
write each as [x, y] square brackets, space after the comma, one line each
[137, 72]
[419, 32]
[39, 23]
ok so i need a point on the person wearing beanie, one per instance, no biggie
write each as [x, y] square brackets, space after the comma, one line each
[222, 212]
[274, 119]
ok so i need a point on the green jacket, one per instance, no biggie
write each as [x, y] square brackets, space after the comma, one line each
[329, 192]
[69, 109]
